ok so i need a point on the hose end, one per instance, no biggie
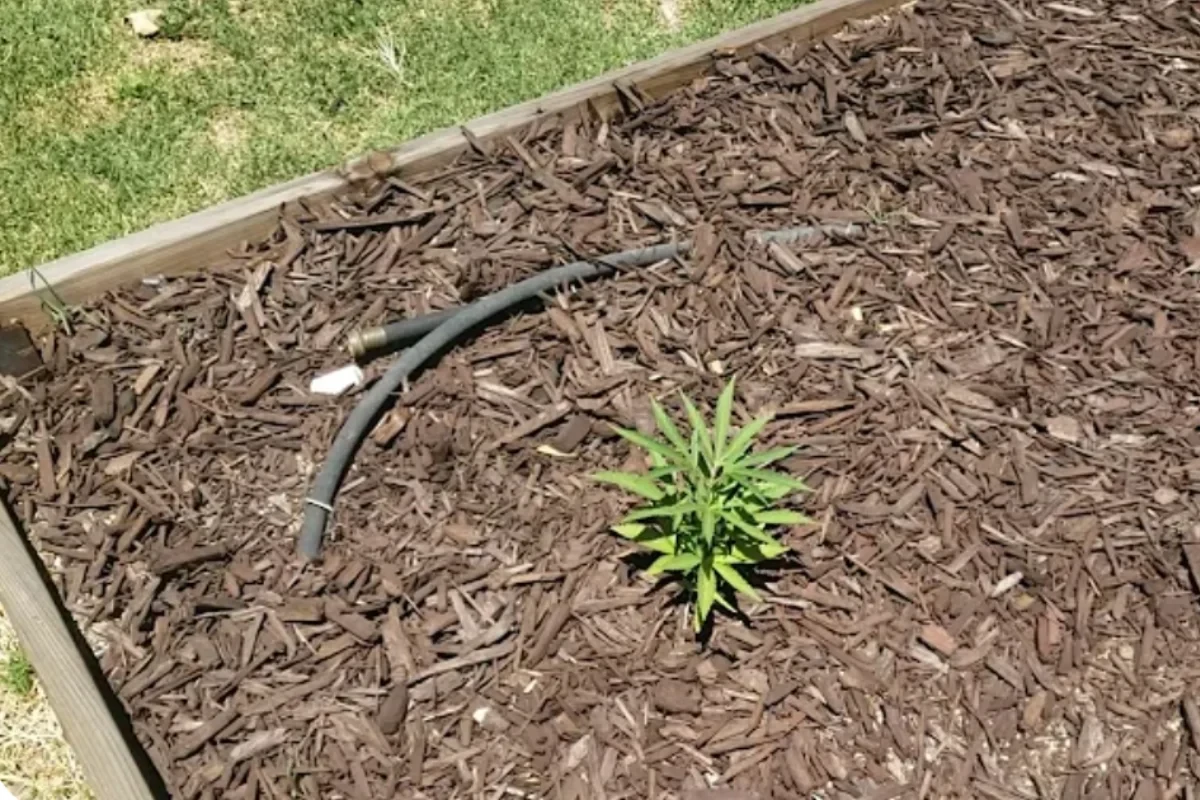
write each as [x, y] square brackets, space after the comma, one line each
[359, 343]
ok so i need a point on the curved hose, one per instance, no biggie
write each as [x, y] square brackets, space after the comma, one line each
[383, 337]
[448, 327]
[319, 502]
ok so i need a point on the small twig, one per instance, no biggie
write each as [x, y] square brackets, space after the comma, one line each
[205, 733]
[550, 629]
[472, 659]
[57, 310]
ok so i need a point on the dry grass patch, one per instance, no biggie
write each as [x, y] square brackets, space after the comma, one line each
[184, 55]
[227, 132]
[35, 762]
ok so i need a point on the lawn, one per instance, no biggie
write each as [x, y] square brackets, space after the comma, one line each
[103, 133]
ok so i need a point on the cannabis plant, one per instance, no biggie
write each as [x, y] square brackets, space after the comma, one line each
[709, 501]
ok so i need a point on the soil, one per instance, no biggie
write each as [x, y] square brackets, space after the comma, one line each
[993, 391]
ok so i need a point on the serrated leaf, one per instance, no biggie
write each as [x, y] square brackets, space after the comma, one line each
[723, 603]
[757, 552]
[660, 512]
[765, 458]
[661, 544]
[706, 592]
[780, 516]
[755, 533]
[724, 417]
[667, 427]
[640, 485]
[770, 478]
[646, 537]
[708, 524]
[771, 493]
[745, 437]
[735, 579]
[663, 471]
[652, 446]
[630, 530]
[676, 562]
[699, 429]
[746, 504]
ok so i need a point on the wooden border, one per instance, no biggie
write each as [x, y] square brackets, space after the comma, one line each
[198, 240]
[113, 762]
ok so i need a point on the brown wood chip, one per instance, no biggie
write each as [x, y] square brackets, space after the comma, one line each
[394, 709]
[939, 639]
[990, 389]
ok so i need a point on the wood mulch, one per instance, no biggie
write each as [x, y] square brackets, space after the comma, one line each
[993, 391]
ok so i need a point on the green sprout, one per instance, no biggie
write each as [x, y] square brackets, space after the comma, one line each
[709, 502]
[51, 302]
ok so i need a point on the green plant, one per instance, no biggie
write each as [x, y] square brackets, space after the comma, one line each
[709, 502]
[51, 302]
[17, 674]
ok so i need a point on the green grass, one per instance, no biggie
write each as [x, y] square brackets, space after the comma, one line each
[103, 133]
[16, 673]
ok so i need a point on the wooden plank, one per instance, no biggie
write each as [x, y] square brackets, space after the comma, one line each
[198, 240]
[69, 675]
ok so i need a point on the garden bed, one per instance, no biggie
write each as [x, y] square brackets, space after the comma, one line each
[992, 391]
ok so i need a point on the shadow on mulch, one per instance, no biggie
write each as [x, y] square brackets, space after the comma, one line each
[758, 577]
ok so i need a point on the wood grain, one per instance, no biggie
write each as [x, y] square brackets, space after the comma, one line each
[100, 743]
[198, 240]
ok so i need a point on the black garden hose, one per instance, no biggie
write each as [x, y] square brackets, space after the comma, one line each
[360, 343]
[443, 329]
[383, 337]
